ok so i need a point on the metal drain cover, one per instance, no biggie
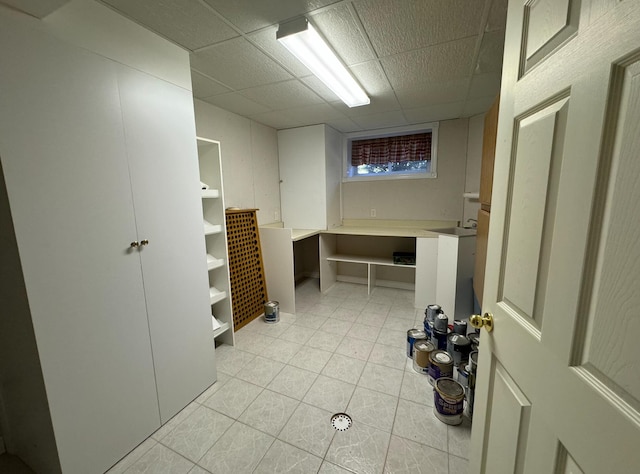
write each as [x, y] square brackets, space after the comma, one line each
[341, 421]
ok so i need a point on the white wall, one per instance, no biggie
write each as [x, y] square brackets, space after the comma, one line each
[417, 199]
[249, 159]
[474, 164]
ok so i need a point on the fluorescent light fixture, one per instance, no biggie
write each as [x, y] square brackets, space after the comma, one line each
[305, 43]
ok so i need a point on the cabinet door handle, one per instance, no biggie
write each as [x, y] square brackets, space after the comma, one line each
[134, 244]
[144, 242]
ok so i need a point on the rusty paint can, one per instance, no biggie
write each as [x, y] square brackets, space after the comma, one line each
[448, 401]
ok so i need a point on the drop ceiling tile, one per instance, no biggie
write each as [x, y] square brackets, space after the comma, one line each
[381, 120]
[266, 40]
[250, 15]
[344, 35]
[314, 114]
[319, 88]
[371, 77]
[444, 62]
[497, 15]
[491, 51]
[238, 64]
[205, 87]
[282, 95]
[434, 93]
[484, 85]
[187, 23]
[236, 103]
[344, 125]
[396, 26]
[37, 8]
[381, 103]
[435, 113]
[477, 106]
[278, 120]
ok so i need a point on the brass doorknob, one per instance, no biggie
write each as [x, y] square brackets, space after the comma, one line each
[144, 242]
[485, 321]
[134, 244]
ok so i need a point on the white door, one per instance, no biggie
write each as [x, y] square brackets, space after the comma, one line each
[163, 160]
[559, 376]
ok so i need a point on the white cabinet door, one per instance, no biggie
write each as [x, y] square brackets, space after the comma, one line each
[160, 136]
[62, 151]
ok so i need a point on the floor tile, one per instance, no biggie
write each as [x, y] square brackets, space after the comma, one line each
[269, 412]
[357, 303]
[310, 358]
[308, 320]
[329, 394]
[286, 459]
[394, 338]
[322, 310]
[397, 324]
[459, 438]
[356, 348]
[332, 300]
[195, 435]
[371, 319]
[281, 350]
[239, 450]
[346, 314]
[361, 449]
[408, 457]
[336, 326]
[373, 408]
[416, 388]
[417, 423]
[381, 379]
[458, 465]
[234, 397]
[309, 428]
[222, 379]
[160, 460]
[299, 334]
[362, 331]
[389, 356]
[402, 311]
[330, 468]
[293, 382]
[173, 422]
[252, 341]
[325, 340]
[230, 359]
[344, 368]
[198, 470]
[377, 308]
[260, 371]
[270, 329]
[133, 456]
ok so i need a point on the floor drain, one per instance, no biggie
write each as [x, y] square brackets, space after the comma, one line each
[341, 421]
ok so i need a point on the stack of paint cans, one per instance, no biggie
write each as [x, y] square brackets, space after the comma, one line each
[430, 314]
[472, 368]
[440, 331]
[422, 350]
[458, 347]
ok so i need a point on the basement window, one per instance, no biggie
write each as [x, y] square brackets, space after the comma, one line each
[398, 153]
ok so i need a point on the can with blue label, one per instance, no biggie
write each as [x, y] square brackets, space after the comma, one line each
[440, 365]
[271, 312]
[439, 339]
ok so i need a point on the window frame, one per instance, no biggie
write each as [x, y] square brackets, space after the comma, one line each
[391, 132]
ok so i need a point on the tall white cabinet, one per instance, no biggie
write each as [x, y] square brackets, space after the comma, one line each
[215, 231]
[105, 332]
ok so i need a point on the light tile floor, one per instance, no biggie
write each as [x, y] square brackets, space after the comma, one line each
[270, 410]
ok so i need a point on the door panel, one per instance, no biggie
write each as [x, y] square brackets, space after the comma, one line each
[509, 414]
[563, 257]
[161, 144]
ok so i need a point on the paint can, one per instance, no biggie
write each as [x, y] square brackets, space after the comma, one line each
[458, 347]
[439, 339]
[460, 326]
[473, 362]
[474, 337]
[441, 323]
[461, 374]
[432, 311]
[440, 365]
[422, 349]
[448, 401]
[471, 391]
[412, 336]
[271, 312]
[428, 327]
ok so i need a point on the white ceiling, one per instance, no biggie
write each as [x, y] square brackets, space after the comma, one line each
[419, 60]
